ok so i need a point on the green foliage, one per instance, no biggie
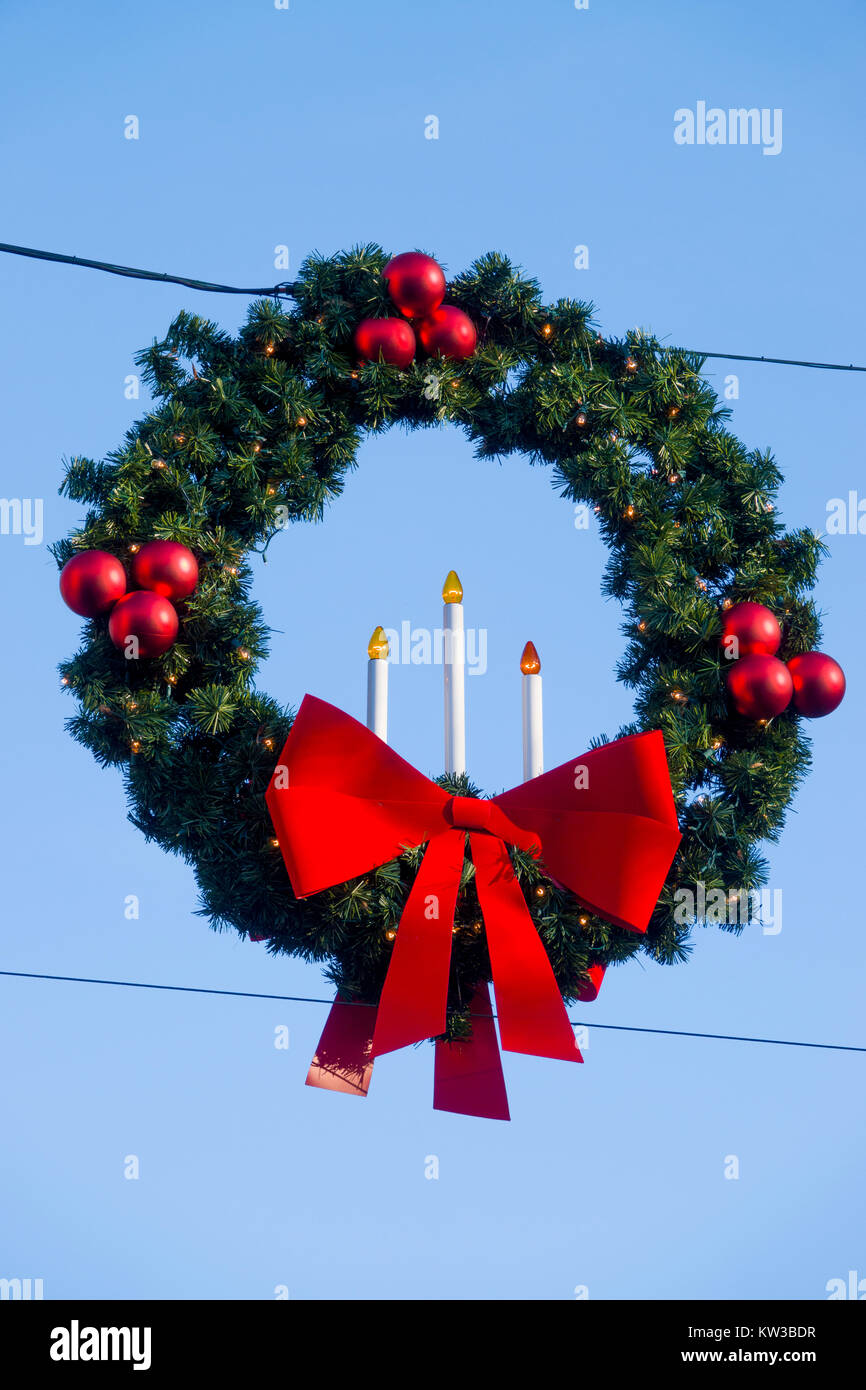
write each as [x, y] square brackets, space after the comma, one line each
[250, 434]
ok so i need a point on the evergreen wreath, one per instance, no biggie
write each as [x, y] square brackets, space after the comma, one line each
[251, 433]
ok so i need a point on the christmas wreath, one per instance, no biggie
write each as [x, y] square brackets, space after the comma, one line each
[249, 434]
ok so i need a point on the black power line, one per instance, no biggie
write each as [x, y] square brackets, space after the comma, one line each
[132, 274]
[305, 999]
[286, 289]
[779, 361]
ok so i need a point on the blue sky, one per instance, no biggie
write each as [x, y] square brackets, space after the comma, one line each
[305, 127]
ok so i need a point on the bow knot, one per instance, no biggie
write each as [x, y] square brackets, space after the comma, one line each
[476, 814]
[468, 812]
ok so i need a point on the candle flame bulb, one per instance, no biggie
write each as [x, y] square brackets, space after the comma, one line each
[452, 589]
[530, 661]
[377, 647]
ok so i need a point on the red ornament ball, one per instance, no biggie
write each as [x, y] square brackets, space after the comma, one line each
[167, 568]
[448, 332]
[756, 629]
[91, 582]
[416, 283]
[819, 684]
[385, 340]
[760, 686]
[148, 617]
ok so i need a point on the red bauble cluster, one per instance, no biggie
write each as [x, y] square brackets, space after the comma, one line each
[416, 284]
[93, 582]
[760, 685]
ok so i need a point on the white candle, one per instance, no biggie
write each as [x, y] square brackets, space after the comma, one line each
[533, 728]
[377, 684]
[454, 664]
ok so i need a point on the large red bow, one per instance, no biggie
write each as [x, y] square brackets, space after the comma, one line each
[343, 803]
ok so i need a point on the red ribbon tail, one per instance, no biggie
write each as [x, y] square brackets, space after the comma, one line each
[532, 1016]
[589, 991]
[467, 1076]
[343, 1061]
[415, 994]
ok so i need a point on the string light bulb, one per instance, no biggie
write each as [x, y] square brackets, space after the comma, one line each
[641, 627]
[580, 418]
[530, 661]
[547, 330]
[135, 746]
[629, 512]
[243, 654]
[541, 891]
[584, 921]
[274, 842]
[390, 934]
[302, 420]
[631, 365]
[452, 589]
[134, 549]
[378, 645]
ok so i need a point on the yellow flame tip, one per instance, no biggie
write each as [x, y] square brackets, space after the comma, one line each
[377, 647]
[452, 589]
